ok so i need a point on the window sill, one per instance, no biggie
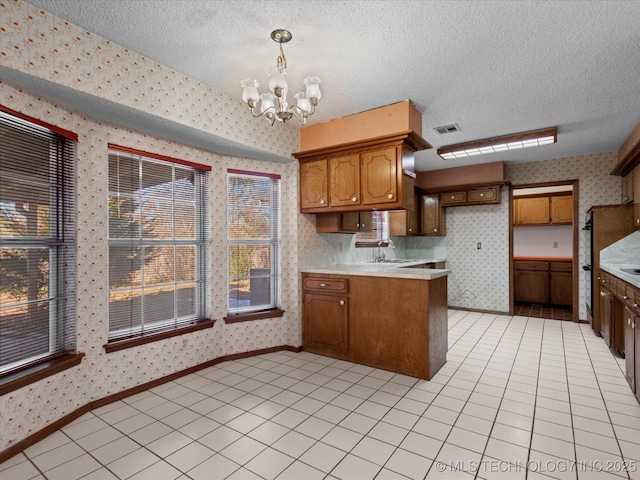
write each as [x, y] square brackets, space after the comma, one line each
[116, 345]
[248, 317]
[31, 374]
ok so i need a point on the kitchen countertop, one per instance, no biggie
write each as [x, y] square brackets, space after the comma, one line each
[391, 270]
[614, 269]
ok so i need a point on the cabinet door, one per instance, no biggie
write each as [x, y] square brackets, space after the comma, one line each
[637, 356]
[606, 311]
[345, 180]
[325, 326]
[531, 211]
[379, 172]
[350, 222]
[562, 209]
[561, 288]
[532, 286]
[356, 222]
[627, 188]
[483, 195]
[629, 346]
[403, 223]
[313, 185]
[453, 198]
[433, 215]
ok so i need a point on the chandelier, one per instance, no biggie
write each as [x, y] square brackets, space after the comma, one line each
[274, 106]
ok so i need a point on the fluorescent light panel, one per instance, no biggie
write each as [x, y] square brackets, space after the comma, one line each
[506, 143]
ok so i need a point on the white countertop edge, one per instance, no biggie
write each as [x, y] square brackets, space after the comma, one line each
[614, 269]
[382, 270]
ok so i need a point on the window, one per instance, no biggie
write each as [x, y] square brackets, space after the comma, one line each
[37, 243]
[158, 237]
[253, 240]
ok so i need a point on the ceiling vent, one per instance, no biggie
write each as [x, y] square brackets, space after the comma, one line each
[447, 129]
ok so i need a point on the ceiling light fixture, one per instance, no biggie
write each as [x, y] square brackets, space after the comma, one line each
[506, 143]
[274, 105]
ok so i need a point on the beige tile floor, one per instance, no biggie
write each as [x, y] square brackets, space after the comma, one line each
[518, 398]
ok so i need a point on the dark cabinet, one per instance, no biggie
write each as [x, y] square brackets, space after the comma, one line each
[433, 215]
[560, 283]
[544, 282]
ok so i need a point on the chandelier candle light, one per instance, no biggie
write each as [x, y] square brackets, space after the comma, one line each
[274, 105]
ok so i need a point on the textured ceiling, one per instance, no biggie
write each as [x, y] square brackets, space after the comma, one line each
[492, 67]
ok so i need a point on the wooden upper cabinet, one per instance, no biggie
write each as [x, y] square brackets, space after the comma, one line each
[313, 185]
[379, 176]
[543, 210]
[433, 215]
[345, 180]
[561, 209]
[531, 211]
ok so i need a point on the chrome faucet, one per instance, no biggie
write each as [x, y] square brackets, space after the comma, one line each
[380, 256]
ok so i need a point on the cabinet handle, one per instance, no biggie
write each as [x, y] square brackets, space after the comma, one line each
[453, 197]
[354, 199]
[322, 201]
[323, 284]
[390, 196]
[362, 225]
[435, 229]
[635, 305]
[341, 302]
[602, 294]
[482, 194]
[628, 321]
[410, 230]
[625, 297]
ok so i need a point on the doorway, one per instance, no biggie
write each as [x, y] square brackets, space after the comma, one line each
[543, 250]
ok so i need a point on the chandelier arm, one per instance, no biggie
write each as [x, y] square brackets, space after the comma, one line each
[297, 113]
[268, 110]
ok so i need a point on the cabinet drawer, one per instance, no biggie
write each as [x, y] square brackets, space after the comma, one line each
[621, 288]
[531, 265]
[452, 198]
[483, 195]
[336, 285]
[561, 266]
[603, 279]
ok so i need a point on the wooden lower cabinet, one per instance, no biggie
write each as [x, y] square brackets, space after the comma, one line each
[532, 286]
[544, 282]
[326, 327]
[394, 324]
[630, 325]
[606, 314]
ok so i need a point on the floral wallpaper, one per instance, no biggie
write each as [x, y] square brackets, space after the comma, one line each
[42, 45]
[47, 47]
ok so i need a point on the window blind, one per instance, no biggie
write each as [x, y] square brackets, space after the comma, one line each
[37, 243]
[158, 240]
[253, 240]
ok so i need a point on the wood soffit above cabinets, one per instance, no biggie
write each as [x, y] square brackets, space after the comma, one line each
[629, 153]
[409, 138]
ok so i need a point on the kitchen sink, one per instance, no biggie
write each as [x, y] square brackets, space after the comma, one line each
[395, 260]
[632, 271]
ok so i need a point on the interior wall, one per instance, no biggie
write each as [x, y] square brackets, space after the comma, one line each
[28, 410]
[549, 241]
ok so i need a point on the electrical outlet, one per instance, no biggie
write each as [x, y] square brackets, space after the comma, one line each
[555, 244]
[479, 246]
